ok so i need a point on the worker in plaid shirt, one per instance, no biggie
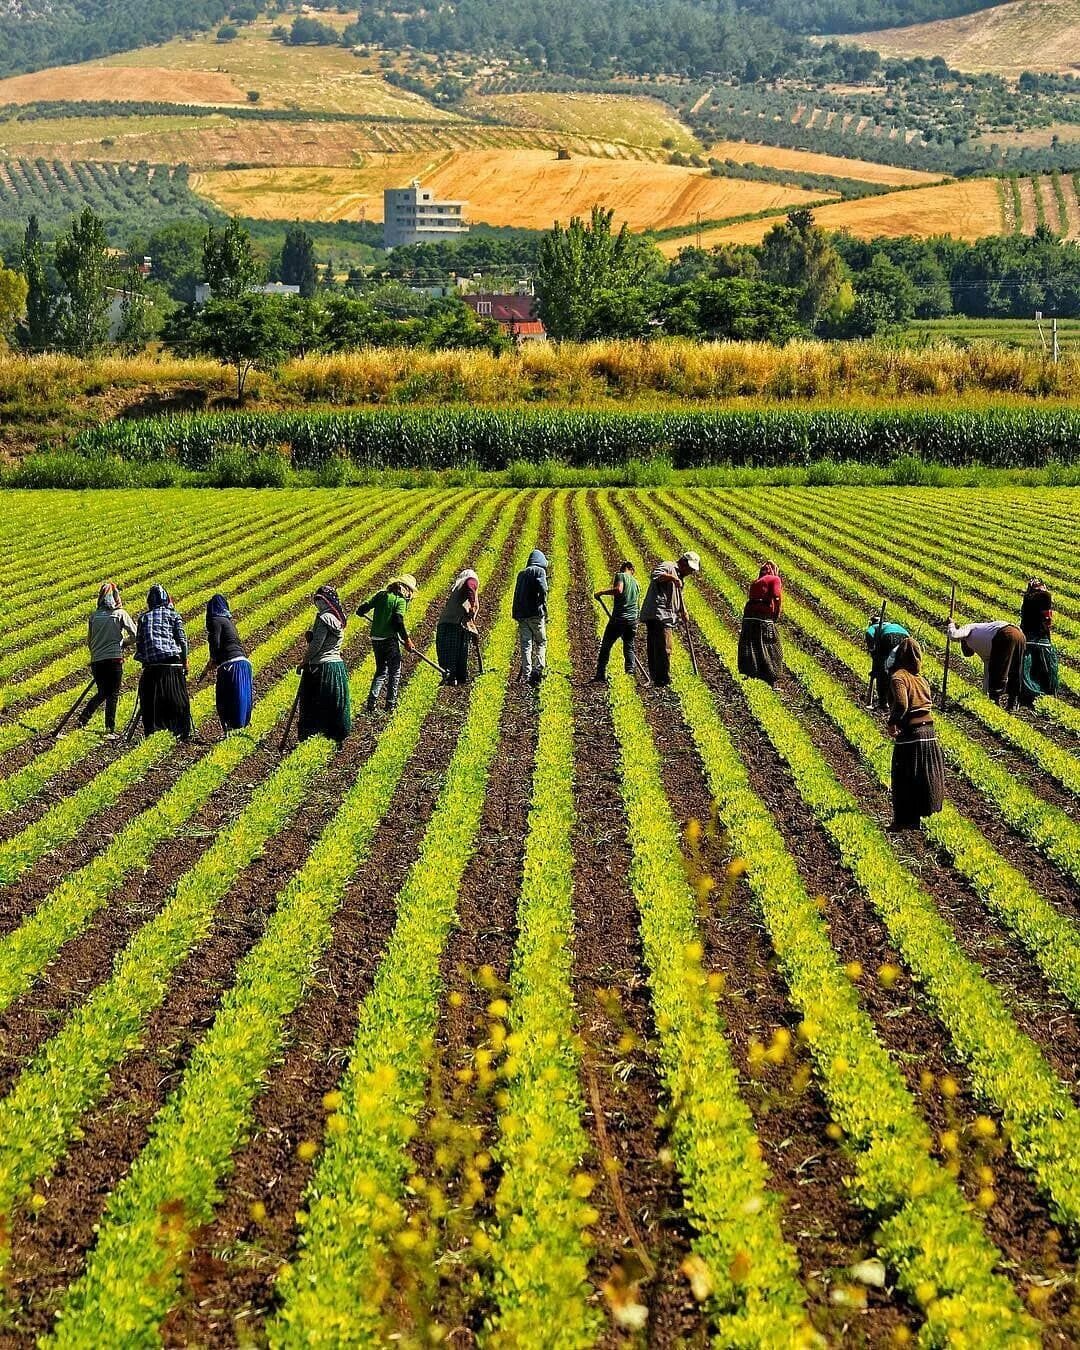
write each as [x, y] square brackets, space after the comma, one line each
[161, 646]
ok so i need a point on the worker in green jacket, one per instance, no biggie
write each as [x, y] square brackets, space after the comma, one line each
[387, 609]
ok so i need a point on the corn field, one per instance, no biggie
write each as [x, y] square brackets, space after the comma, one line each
[586, 1014]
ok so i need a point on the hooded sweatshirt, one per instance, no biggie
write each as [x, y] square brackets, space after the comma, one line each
[109, 624]
[160, 638]
[531, 589]
[221, 635]
[327, 635]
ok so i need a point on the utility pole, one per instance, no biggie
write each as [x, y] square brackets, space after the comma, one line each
[1057, 349]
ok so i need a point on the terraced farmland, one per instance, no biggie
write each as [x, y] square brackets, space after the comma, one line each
[598, 1008]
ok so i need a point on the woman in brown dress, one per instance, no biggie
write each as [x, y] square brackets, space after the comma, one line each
[918, 766]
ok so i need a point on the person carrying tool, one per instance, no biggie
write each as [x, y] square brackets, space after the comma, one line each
[324, 705]
[918, 766]
[761, 656]
[234, 691]
[530, 611]
[1040, 675]
[456, 628]
[161, 648]
[1001, 647]
[110, 624]
[388, 635]
[882, 640]
[661, 611]
[622, 622]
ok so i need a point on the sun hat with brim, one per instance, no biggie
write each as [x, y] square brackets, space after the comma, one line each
[407, 580]
[692, 561]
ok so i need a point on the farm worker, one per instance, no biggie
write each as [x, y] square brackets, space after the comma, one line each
[760, 655]
[530, 611]
[456, 627]
[622, 625]
[234, 692]
[882, 640]
[161, 647]
[918, 766]
[110, 624]
[325, 709]
[388, 635]
[1040, 657]
[661, 611]
[1001, 647]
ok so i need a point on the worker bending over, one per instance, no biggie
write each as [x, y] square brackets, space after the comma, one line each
[325, 707]
[530, 611]
[1040, 655]
[661, 611]
[161, 647]
[761, 657]
[622, 622]
[234, 689]
[388, 635]
[882, 640]
[110, 626]
[1001, 647]
[456, 628]
[918, 766]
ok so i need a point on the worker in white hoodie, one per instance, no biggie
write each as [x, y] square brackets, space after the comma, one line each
[1001, 648]
[110, 624]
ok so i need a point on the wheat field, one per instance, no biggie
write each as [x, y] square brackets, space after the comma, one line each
[808, 161]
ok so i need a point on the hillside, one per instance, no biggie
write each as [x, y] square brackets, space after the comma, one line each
[1042, 35]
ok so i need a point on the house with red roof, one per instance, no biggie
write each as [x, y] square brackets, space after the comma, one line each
[516, 315]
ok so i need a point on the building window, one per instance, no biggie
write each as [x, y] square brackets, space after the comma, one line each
[483, 307]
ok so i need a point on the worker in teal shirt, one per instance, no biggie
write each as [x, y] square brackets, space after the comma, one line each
[882, 640]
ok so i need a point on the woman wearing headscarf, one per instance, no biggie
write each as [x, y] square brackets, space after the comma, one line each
[325, 709]
[161, 647]
[388, 635]
[457, 627]
[918, 766]
[1040, 670]
[760, 655]
[110, 624]
[234, 690]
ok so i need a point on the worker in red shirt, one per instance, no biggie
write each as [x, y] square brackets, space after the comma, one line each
[760, 655]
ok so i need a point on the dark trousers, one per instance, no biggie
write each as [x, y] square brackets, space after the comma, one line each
[387, 654]
[617, 630]
[1005, 669]
[658, 646]
[108, 676]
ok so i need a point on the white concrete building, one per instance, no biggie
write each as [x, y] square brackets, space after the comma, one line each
[411, 215]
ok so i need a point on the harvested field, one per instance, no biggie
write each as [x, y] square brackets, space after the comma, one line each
[1005, 39]
[592, 1001]
[647, 195]
[807, 161]
[967, 210]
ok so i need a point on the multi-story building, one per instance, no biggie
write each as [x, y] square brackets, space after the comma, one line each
[411, 215]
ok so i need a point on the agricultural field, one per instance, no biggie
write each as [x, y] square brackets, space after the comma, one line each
[611, 117]
[595, 1006]
[1023, 333]
[1005, 39]
[545, 188]
[807, 161]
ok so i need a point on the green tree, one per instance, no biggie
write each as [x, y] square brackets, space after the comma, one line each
[298, 261]
[799, 254]
[885, 298]
[248, 333]
[82, 263]
[176, 252]
[733, 308]
[38, 332]
[13, 292]
[144, 309]
[229, 265]
[593, 283]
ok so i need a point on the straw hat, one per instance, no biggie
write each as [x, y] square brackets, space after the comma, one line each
[692, 561]
[406, 580]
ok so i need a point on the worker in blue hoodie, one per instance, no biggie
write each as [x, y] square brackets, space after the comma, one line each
[530, 611]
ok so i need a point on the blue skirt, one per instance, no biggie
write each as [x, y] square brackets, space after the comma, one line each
[235, 694]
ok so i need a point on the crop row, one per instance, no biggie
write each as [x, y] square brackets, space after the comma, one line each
[33, 539]
[1006, 1066]
[131, 1274]
[907, 579]
[354, 1200]
[942, 1258]
[1047, 826]
[69, 1074]
[60, 822]
[756, 1297]
[448, 437]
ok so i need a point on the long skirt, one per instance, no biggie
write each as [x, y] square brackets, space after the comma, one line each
[1005, 669]
[1040, 671]
[452, 651]
[761, 656]
[918, 776]
[234, 694]
[163, 697]
[325, 709]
